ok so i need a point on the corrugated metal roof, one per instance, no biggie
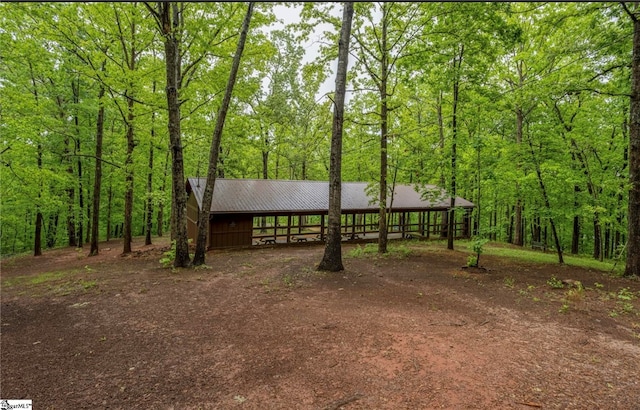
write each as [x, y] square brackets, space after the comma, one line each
[271, 196]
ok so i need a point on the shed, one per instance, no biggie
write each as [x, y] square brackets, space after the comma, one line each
[246, 212]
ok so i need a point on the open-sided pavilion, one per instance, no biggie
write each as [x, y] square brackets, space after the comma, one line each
[247, 212]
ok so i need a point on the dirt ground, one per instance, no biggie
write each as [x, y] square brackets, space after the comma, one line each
[261, 329]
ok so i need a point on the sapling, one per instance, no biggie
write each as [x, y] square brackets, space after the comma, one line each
[476, 246]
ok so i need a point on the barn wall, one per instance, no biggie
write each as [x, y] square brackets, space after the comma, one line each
[227, 231]
[192, 217]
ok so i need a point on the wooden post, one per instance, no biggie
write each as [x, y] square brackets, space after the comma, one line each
[289, 228]
[353, 225]
[322, 227]
[275, 228]
[364, 224]
[428, 223]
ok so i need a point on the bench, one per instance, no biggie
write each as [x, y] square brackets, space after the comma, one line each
[539, 245]
[302, 238]
[268, 240]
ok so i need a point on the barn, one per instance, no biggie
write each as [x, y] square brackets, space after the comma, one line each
[246, 212]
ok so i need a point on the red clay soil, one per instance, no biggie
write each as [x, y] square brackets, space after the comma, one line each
[261, 329]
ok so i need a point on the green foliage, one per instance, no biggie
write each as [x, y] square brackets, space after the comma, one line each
[45, 277]
[544, 62]
[169, 256]
[509, 281]
[476, 245]
[625, 294]
[555, 283]
[394, 250]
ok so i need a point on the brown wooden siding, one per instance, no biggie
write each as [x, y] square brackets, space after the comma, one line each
[228, 231]
[192, 217]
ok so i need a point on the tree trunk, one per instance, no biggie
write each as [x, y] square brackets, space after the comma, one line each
[160, 216]
[37, 245]
[128, 181]
[97, 181]
[457, 63]
[149, 202]
[75, 88]
[597, 237]
[80, 230]
[71, 197]
[170, 25]
[109, 208]
[518, 230]
[332, 258]
[203, 218]
[444, 216]
[87, 236]
[52, 230]
[633, 218]
[547, 204]
[384, 125]
[575, 237]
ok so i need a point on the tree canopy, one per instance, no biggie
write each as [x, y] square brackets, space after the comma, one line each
[523, 108]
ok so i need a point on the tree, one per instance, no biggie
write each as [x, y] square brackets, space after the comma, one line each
[203, 218]
[379, 51]
[97, 182]
[332, 258]
[168, 21]
[633, 216]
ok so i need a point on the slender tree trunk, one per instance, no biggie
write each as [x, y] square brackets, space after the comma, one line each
[37, 245]
[332, 258]
[87, 236]
[444, 214]
[265, 163]
[149, 207]
[265, 171]
[575, 237]
[203, 218]
[160, 216]
[518, 230]
[597, 237]
[52, 230]
[457, 63]
[384, 118]
[97, 180]
[75, 88]
[633, 218]
[128, 181]
[547, 204]
[80, 230]
[71, 197]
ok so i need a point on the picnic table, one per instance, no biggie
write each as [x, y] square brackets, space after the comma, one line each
[302, 238]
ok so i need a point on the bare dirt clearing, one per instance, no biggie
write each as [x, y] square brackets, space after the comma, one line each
[261, 329]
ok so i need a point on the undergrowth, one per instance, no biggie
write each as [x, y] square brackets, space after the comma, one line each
[371, 249]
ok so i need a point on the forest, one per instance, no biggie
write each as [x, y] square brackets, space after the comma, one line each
[525, 109]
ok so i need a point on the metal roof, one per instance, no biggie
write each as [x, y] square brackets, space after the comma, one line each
[274, 196]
